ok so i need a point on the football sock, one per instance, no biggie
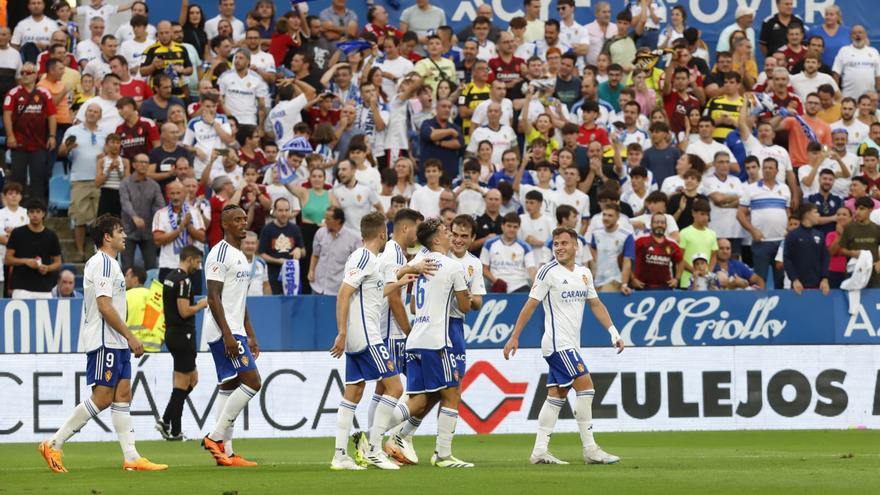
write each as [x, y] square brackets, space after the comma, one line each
[344, 420]
[174, 410]
[409, 427]
[583, 413]
[445, 429]
[401, 414]
[237, 401]
[121, 415]
[371, 412]
[546, 422]
[384, 413]
[222, 397]
[82, 413]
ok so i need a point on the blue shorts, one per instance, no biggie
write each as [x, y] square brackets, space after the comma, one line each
[458, 351]
[371, 364]
[397, 348]
[229, 367]
[565, 366]
[430, 370]
[105, 366]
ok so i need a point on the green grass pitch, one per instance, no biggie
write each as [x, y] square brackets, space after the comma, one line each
[736, 462]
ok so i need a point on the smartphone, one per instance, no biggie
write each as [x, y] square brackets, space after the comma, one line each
[70, 140]
[619, 125]
[223, 152]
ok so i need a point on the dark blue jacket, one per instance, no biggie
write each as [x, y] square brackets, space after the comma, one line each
[805, 256]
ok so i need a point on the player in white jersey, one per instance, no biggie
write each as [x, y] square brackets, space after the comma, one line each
[109, 345]
[230, 336]
[394, 323]
[358, 305]
[464, 231]
[564, 289]
[430, 369]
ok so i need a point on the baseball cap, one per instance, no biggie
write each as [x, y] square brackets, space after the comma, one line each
[743, 10]
[700, 256]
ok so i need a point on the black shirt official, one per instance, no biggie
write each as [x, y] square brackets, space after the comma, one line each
[177, 286]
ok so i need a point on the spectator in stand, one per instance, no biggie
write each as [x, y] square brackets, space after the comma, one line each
[857, 66]
[206, 133]
[805, 255]
[794, 50]
[536, 228]
[173, 228]
[706, 147]
[859, 235]
[860, 188]
[111, 168]
[29, 120]
[658, 259]
[259, 284]
[731, 273]
[280, 242]
[32, 34]
[508, 263]
[224, 193]
[100, 65]
[426, 199]
[763, 213]
[164, 157]
[340, 22]
[333, 245]
[599, 31]
[61, 92]
[10, 62]
[489, 223]
[774, 31]
[723, 190]
[660, 158]
[11, 217]
[66, 286]
[83, 143]
[681, 203]
[798, 138]
[141, 198]
[110, 118]
[442, 140]
[698, 238]
[762, 147]
[34, 254]
[136, 89]
[837, 264]
[139, 135]
[156, 107]
[612, 249]
[357, 200]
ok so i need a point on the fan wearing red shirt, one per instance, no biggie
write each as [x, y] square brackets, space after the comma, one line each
[794, 50]
[224, 193]
[677, 99]
[659, 260]
[323, 112]
[589, 131]
[506, 67]
[136, 89]
[377, 24]
[29, 118]
[139, 135]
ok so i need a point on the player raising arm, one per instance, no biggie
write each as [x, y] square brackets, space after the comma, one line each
[230, 336]
[564, 289]
[109, 345]
[358, 305]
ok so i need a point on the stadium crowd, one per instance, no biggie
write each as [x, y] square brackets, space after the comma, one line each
[681, 165]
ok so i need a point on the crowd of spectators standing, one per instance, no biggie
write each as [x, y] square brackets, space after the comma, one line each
[681, 165]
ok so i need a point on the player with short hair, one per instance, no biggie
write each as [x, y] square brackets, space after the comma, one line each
[228, 331]
[564, 289]
[109, 345]
[367, 359]
[431, 370]
[394, 322]
[180, 338]
[464, 231]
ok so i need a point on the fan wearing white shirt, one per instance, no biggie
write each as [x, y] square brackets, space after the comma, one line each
[293, 97]
[855, 130]
[535, 227]
[501, 136]
[819, 160]
[762, 147]
[356, 200]
[570, 32]
[637, 190]
[508, 263]
[809, 80]
[469, 193]
[126, 32]
[857, 65]
[544, 174]
[394, 67]
[99, 9]
[207, 133]
[723, 190]
[655, 203]
[497, 93]
[90, 48]
[426, 199]
[134, 48]
[706, 148]
[261, 62]
[36, 28]
[364, 171]
[243, 92]
[613, 251]
[572, 196]
[227, 12]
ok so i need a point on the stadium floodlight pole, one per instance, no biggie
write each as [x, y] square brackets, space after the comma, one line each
[565, 289]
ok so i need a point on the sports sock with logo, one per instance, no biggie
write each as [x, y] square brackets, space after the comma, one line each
[344, 420]
[237, 401]
[546, 422]
[120, 412]
[583, 413]
[445, 429]
[82, 413]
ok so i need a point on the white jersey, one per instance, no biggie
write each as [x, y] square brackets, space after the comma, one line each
[203, 136]
[392, 258]
[169, 255]
[509, 262]
[723, 220]
[229, 266]
[240, 95]
[126, 33]
[754, 147]
[856, 133]
[549, 197]
[399, 67]
[564, 295]
[473, 277]
[577, 200]
[858, 67]
[479, 117]
[133, 51]
[363, 272]
[29, 30]
[706, 152]
[259, 276]
[284, 116]
[88, 12]
[433, 299]
[541, 229]
[501, 140]
[102, 277]
[357, 202]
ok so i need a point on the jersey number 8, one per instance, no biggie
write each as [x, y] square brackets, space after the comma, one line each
[420, 291]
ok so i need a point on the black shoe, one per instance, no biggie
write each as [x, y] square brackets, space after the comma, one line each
[164, 429]
[180, 437]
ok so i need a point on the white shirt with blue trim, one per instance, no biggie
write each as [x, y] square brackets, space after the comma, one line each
[768, 207]
[102, 277]
[509, 262]
[230, 266]
[392, 258]
[363, 273]
[564, 295]
[434, 298]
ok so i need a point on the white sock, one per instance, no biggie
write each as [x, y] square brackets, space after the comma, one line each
[445, 429]
[384, 413]
[409, 427]
[371, 412]
[121, 415]
[400, 414]
[237, 401]
[222, 397]
[546, 422]
[583, 413]
[344, 420]
[82, 413]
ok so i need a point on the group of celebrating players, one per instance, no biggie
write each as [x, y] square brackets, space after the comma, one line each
[379, 338]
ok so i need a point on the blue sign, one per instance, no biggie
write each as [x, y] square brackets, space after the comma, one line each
[709, 16]
[645, 319]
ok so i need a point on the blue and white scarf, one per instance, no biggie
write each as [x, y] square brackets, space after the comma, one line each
[289, 278]
[808, 131]
[182, 240]
[299, 145]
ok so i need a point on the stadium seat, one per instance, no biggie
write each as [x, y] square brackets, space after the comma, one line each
[152, 274]
[59, 193]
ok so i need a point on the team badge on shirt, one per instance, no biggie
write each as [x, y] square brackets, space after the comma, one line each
[107, 375]
[586, 282]
[580, 368]
[513, 256]
[244, 360]
[390, 365]
[358, 198]
[470, 271]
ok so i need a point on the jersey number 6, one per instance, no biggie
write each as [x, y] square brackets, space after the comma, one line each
[420, 291]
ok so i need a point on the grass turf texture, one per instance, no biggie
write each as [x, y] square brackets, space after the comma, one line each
[734, 462]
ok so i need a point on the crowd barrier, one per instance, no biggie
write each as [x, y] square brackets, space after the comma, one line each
[645, 319]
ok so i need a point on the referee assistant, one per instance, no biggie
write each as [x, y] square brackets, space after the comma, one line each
[180, 338]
